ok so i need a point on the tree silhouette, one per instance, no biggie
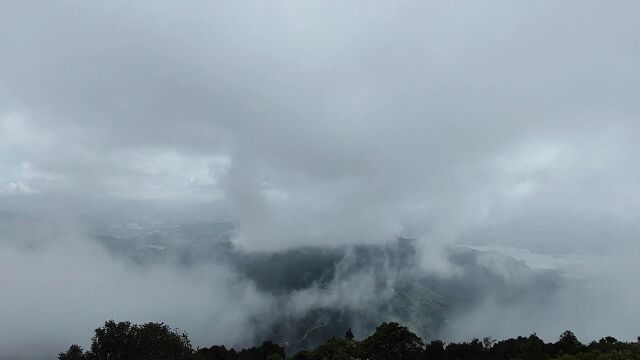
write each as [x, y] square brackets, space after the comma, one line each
[74, 353]
[157, 341]
[216, 352]
[349, 335]
[112, 341]
[392, 341]
[435, 351]
[123, 341]
[568, 344]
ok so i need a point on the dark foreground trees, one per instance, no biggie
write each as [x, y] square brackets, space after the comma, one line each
[121, 341]
[124, 341]
[392, 341]
[157, 341]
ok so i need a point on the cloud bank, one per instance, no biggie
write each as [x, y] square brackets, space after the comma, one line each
[324, 123]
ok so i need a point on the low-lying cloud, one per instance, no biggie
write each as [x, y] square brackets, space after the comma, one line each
[317, 124]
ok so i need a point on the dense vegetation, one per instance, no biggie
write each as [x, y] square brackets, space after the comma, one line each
[157, 341]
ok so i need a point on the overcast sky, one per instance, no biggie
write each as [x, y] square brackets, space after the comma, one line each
[325, 122]
[311, 113]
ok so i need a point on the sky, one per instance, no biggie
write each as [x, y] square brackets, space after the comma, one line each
[331, 123]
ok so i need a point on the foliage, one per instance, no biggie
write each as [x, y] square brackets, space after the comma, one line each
[124, 341]
[334, 349]
[392, 341]
[74, 353]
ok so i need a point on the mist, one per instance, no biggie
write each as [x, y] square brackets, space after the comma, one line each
[185, 162]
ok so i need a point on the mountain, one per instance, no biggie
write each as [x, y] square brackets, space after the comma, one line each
[321, 292]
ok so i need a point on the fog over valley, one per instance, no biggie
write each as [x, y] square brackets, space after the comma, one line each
[250, 171]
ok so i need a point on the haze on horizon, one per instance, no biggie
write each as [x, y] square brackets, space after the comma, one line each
[508, 127]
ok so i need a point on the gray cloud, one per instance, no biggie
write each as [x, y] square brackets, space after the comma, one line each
[59, 284]
[326, 123]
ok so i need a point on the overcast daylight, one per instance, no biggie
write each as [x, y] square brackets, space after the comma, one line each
[318, 179]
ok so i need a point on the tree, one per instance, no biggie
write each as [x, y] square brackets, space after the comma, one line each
[434, 351]
[334, 349]
[568, 344]
[157, 341]
[392, 341]
[152, 341]
[349, 335]
[267, 351]
[473, 350]
[216, 353]
[530, 348]
[487, 342]
[112, 341]
[74, 353]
